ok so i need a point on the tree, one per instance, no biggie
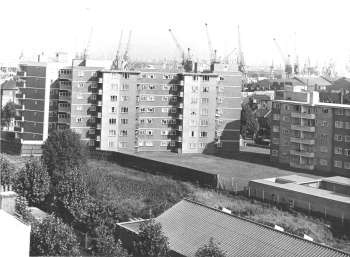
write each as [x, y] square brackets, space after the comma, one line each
[6, 172]
[249, 122]
[21, 208]
[70, 196]
[33, 182]
[53, 237]
[8, 112]
[62, 151]
[106, 245]
[210, 250]
[151, 240]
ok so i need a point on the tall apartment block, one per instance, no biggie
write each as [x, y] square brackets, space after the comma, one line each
[163, 110]
[32, 122]
[309, 134]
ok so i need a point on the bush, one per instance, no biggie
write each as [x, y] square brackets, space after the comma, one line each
[33, 182]
[6, 172]
[211, 249]
[53, 237]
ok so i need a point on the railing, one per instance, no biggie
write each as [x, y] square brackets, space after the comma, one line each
[63, 109]
[303, 115]
[64, 98]
[99, 115]
[302, 153]
[303, 128]
[302, 166]
[100, 91]
[98, 126]
[99, 103]
[302, 141]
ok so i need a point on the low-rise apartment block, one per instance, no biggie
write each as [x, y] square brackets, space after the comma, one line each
[309, 134]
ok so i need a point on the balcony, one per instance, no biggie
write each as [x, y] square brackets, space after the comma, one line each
[179, 139]
[20, 95]
[99, 115]
[100, 80]
[21, 83]
[98, 126]
[302, 153]
[180, 117]
[63, 109]
[65, 86]
[21, 74]
[179, 128]
[64, 98]
[303, 128]
[181, 94]
[303, 115]
[302, 166]
[99, 103]
[181, 105]
[98, 138]
[100, 91]
[63, 120]
[302, 141]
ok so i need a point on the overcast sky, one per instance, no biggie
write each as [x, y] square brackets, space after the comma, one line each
[321, 27]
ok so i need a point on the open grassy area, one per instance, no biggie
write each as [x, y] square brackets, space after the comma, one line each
[139, 192]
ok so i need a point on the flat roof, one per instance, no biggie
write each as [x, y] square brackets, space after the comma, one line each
[189, 225]
[338, 180]
[297, 179]
[316, 192]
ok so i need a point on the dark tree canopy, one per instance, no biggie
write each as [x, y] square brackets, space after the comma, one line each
[33, 182]
[52, 237]
[8, 112]
[62, 151]
[6, 172]
[211, 249]
[151, 240]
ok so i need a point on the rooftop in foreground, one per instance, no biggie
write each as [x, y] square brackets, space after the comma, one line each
[189, 225]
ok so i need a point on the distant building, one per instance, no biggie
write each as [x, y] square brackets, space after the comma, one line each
[309, 134]
[329, 197]
[163, 110]
[189, 225]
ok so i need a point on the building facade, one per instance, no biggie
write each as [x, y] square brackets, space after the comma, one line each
[311, 135]
[163, 110]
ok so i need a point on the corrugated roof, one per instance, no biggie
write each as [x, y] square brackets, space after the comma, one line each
[189, 225]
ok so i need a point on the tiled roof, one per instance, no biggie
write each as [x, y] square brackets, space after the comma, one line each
[189, 225]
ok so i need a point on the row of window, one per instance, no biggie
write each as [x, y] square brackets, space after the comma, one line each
[340, 138]
[113, 121]
[340, 151]
[148, 86]
[341, 124]
[339, 164]
[154, 76]
[341, 112]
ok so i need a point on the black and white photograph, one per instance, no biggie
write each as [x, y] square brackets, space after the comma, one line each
[175, 128]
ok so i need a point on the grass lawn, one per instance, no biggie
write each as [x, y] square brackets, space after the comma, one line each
[250, 163]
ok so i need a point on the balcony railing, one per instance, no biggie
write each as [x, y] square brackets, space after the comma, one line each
[98, 138]
[100, 91]
[303, 128]
[21, 74]
[302, 141]
[98, 126]
[63, 120]
[99, 115]
[99, 103]
[64, 98]
[179, 139]
[302, 153]
[303, 115]
[179, 128]
[63, 109]
[100, 80]
[65, 86]
[302, 166]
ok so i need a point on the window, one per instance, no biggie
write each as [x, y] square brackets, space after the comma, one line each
[112, 132]
[114, 86]
[205, 78]
[173, 99]
[173, 110]
[204, 123]
[194, 89]
[114, 98]
[347, 152]
[81, 73]
[164, 132]
[275, 140]
[149, 121]
[338, 124]
[274, 153]
[347, 165]
[124, 109]
[324, 149]
[112, 121]
[124, 121]
[125, 87]
[93, 97]
[163, 143]
[192, 133]
[126, 75]
[325, 110]
[276, 116]
[192, 145]
[151, 76]
[79, 107]
[205, 100]
[79, 119]
[338, 164]
[151, 86]
[347, 125]
[123, 133]
[110, 144]
[202, 145]
[150, 109]
[92, 108]
[174, 87]
[172, 143]
[338, 138]
[347, 139]
[165, 109]
[324, 123]
[203, 134]
[275, 129]
[324, 139]
[124, 98]
[113, 109]
[123, 144]
[93, 85]
[323, 162]
[204, 112]
[339, 111]
[285, 131]
[91, 143]
[194, 100]
[219, 145]
[165, 98]
[205, 89]
[166, 87]
[338, 150]
[79, 96]
[347, 112]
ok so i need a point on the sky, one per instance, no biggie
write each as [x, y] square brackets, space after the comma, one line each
[318, 30]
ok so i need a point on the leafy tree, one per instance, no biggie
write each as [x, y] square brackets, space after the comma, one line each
[211, 249]
[53, 237]
[33, 182]
[71, 195]
[249, 122]
[62, 151]
[8, 112]
[21, 208]
[106, 245]
[151, 240]
[6, 171]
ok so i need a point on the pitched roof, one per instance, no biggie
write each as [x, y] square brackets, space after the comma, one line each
[189, 225]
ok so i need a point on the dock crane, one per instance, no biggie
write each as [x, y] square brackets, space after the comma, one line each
[186, 62]
[296, 61]
[212, 52]
[288, 69]
[87, 48]
[117, 59]
[125, 61]
[241, 61]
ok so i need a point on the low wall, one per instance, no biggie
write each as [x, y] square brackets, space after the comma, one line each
[157, 167]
